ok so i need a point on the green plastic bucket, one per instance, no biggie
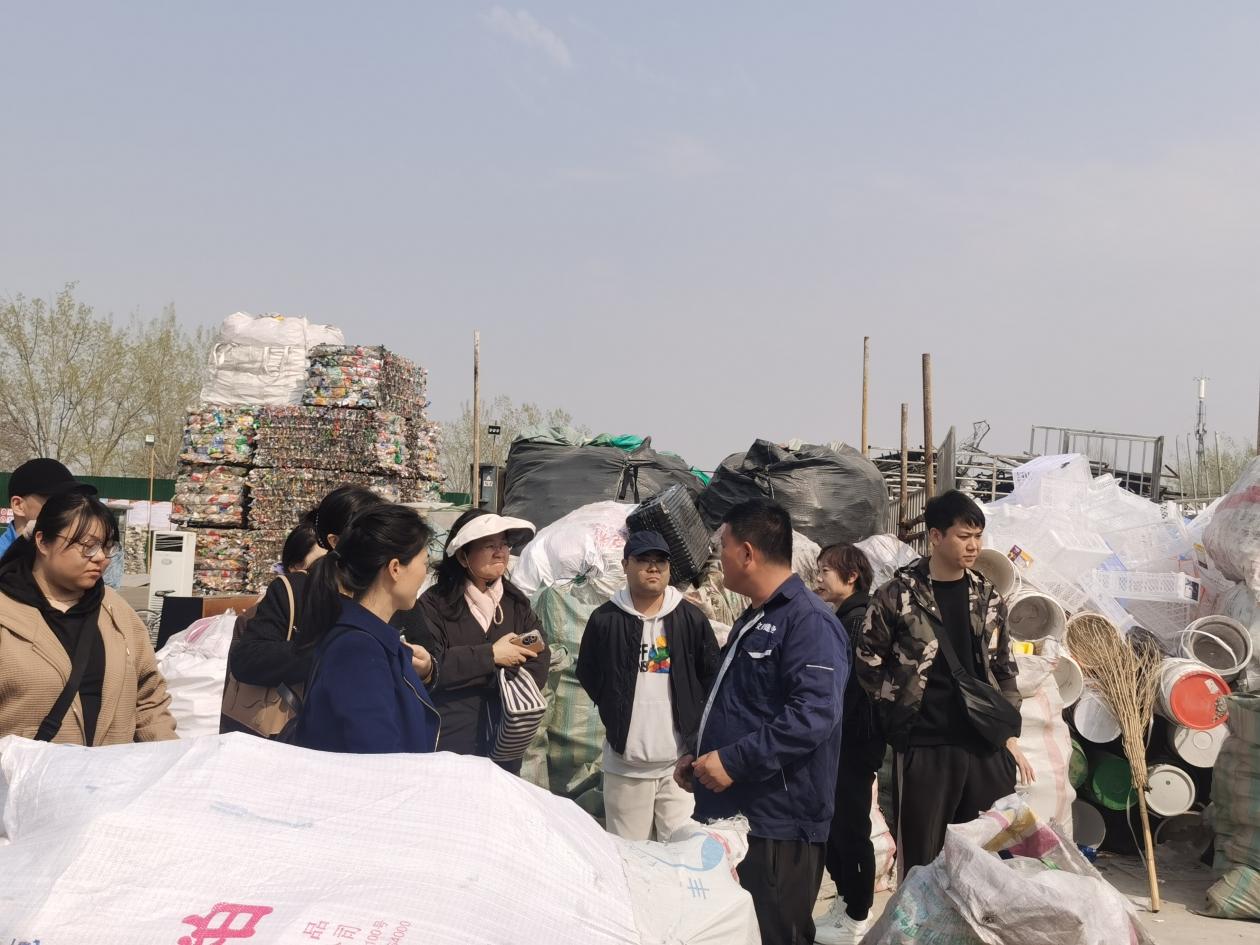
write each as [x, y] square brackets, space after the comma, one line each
[1112, 783]
[1078, 766]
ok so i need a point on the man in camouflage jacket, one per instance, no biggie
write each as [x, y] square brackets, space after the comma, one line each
[944, 772]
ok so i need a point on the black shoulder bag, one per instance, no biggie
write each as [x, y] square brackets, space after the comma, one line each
[51, 725]
[991, 715]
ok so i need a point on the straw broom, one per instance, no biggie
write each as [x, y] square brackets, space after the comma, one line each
[1126, 672]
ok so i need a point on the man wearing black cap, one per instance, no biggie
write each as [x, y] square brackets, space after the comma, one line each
[647, 660]
[30, 486]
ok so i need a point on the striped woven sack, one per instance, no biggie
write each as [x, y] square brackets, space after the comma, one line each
[521, 711]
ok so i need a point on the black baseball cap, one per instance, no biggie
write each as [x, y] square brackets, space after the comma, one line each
[46, 477]
[641, 543]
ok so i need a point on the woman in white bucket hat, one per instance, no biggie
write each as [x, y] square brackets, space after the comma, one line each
[481, 623]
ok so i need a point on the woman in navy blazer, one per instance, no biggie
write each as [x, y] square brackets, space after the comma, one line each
[365, 694]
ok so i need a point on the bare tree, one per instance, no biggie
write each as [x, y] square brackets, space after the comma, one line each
[78, 388]
[1204, 479]
[456, 451]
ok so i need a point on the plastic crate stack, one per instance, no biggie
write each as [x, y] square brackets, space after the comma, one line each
[211, 494]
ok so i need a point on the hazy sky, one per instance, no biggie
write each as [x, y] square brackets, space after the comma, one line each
[673, 219]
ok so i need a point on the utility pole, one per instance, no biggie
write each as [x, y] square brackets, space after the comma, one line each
[476, 422]
[866, 393]
[929, 456]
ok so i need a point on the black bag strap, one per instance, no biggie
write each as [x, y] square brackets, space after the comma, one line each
[88, 633]
[951, 657]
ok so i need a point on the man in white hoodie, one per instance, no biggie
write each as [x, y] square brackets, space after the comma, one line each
[647, 660]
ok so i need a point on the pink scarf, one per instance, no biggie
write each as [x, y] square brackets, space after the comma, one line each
[485, 604]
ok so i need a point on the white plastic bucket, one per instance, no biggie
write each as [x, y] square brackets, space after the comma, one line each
[1067, 673]
[1197, 747]
[1088, 827]
[1191, 694]
[1169, 791]
[1221, 643]
[1094, 719]
[1035, 616]
[999, 569]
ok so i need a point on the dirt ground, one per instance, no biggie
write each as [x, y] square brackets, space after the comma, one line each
[1183, 885]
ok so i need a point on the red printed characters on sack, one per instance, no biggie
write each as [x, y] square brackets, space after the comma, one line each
[227, 921]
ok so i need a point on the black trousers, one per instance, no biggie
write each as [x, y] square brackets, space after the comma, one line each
[850, 853]
[938, 785]
[783, 877]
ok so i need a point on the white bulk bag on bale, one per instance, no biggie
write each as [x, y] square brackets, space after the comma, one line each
[1232, 537]
[158, 843]
[241, 328]
[265, 376]
[194, 664]
[1047, 895]
[1045, 739]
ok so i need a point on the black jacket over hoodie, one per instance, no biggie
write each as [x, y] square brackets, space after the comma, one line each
[608, 667]
[18, 582]
[862, 741]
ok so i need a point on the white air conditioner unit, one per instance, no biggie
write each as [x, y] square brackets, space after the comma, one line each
[172, 568]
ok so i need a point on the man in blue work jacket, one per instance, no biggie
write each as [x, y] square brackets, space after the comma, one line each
[769, 740]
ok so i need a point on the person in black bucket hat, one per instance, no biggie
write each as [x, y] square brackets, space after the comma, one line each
[30, 486]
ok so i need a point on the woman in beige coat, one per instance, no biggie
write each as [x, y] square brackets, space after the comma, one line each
[76, 664]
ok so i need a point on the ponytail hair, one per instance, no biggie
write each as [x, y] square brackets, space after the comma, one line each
[338, 508]
[365, 547]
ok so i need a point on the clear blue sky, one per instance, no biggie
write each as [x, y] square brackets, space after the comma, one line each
[675, 219]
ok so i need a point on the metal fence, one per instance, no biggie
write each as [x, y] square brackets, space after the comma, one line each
[1136, 461]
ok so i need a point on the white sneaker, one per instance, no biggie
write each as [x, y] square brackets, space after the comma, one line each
[844, 931]
[833, 914]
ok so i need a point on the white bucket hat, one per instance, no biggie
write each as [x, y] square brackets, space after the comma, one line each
[483, 526]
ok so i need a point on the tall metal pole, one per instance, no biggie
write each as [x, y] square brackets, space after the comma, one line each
[1258, 431]
[476, 422]
[929, 458]
[148, 547]
[905, 463]
[866, 393]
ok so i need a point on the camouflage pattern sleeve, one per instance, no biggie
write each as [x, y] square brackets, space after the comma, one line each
[1001, 662]
[874, 643]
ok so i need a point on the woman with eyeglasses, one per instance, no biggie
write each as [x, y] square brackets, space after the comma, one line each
[76, 664]
[480, 623]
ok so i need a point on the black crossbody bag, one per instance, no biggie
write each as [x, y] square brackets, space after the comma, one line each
[992, 716]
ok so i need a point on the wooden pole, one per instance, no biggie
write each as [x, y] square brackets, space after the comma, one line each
[929, 458]
[476, 421]
[1220, 470]
[1258, 431]
[905, 463]
[1151, 877]
[866, 393]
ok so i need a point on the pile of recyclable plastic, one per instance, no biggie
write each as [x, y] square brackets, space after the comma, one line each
[345, 414]
[220, 435]
[210, 495]
[368, 441]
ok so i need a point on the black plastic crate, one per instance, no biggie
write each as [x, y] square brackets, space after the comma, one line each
[674, 515]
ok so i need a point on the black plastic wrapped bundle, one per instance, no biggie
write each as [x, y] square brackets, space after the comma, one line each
[832, 496]
[547, 479]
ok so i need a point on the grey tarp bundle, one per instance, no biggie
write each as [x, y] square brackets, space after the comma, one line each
[551, 473]
[832, 496]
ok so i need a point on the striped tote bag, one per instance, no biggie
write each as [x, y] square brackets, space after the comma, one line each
[521, 711]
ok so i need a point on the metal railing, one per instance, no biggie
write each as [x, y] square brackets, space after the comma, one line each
[1136, 461]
